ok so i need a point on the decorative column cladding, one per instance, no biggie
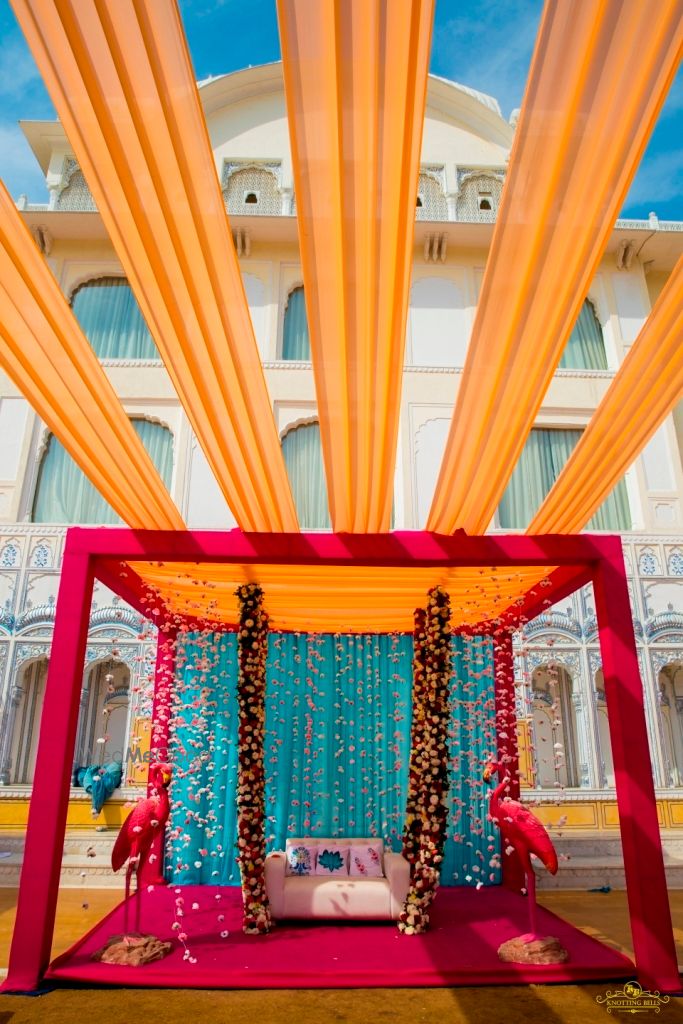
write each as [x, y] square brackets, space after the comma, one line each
[251, 813]
[414, 801]
[431, 765]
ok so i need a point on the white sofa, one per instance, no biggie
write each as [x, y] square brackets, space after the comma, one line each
[340, 896]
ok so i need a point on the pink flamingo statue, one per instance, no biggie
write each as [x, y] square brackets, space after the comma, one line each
[143, 824]
[522, 830]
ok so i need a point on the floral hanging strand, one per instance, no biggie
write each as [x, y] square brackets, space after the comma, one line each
[414, 810]
[251, 815]
[431, 764]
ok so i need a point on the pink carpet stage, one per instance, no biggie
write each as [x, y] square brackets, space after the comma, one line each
[460, 949]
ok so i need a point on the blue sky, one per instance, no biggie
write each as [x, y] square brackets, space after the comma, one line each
[485, 44]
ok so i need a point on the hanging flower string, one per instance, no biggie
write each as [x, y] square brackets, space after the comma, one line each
[431, 765]
[251, 813]
[413, 819]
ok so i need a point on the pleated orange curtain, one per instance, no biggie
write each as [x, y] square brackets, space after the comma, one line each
[355, 76]
[329, 599]
[121, 79]
[643, 392]
[47, 356]
[599, 75]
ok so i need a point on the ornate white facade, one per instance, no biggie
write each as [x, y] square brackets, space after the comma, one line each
[465, 149]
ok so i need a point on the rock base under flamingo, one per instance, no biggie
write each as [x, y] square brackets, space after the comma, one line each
[132, 950]
[533, 951]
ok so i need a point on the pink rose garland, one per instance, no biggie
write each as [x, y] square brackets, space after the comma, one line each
[251, 815]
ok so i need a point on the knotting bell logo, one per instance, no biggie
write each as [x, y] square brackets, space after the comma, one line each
[632, 999]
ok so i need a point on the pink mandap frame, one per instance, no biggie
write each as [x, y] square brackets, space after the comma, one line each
[97, 554]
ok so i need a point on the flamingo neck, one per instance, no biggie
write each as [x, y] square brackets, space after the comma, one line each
[497, 794]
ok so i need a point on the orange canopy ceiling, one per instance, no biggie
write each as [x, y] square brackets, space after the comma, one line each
[598, 78]
[355, 82]
[121, 79]
[45, 353]
[337, 599]
[645, 389]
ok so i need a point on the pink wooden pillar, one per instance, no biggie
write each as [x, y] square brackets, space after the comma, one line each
[39, 883]
[651, 928]
[506, 735]
[152, 869]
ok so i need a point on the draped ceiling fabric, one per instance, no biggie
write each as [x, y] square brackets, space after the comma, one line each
[337, 599]
[355, 75]
[46, 354]
[644, 390]
[598, 79]
[120, 77]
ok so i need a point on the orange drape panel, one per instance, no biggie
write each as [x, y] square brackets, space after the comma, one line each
[321, 598]
[644, 391]
[45, 353]
[599, 75]
[355, 76]
[121, 79]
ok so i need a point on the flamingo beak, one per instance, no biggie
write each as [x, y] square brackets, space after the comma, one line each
[488, 772]
[166, 778]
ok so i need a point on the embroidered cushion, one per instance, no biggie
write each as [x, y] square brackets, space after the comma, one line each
[365, 860]
[300, 859]
[333, 859]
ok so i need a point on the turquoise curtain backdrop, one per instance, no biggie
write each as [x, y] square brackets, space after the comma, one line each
[336, 753]
[111, 320]
[539, 466]
[65, 495]
[585, 349]
[303, 457]
[296, 343]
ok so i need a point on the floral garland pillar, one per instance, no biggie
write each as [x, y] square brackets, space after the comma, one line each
[414, 803]
[251, 814]
[431, 765]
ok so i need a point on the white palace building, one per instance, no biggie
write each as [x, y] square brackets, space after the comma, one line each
[465, 149]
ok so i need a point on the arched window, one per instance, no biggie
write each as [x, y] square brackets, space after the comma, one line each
[103, 723]
[431, 202]
[479, 198]
[296, 343]
[65, 495]
[554, 727]
[26, 726]
[604, 741]
[253, 191]
[111, 320]
[585, 349]
[539, 465]
[671, 717]
[304, 460]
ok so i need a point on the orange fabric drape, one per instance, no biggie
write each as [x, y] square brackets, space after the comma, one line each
[645, 389]
[47, 356]
[355, 75]
[599, 75]
[122, 82]
[328, 598]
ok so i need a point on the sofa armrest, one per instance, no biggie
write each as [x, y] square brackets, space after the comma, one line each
[275, 882]
[397, 871]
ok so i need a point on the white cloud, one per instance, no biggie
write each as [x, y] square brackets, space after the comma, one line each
[18, 71]
[489, 49]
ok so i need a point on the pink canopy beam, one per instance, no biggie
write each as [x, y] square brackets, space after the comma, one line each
[100, 553]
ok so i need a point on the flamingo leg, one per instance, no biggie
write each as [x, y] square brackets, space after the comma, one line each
[129, 871]
[531, 896]
[137, 896]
